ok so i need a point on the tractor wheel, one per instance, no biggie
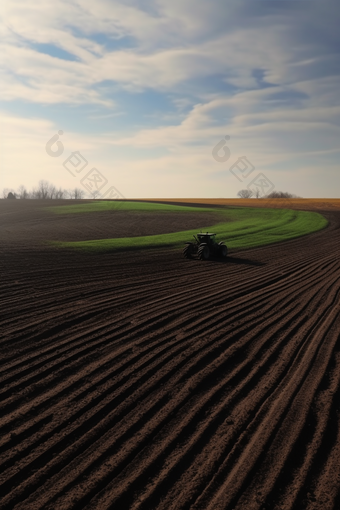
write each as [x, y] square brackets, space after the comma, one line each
[187, 251]
[203, 252]
[223, 250]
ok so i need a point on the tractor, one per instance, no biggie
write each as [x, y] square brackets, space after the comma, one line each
[205, 246]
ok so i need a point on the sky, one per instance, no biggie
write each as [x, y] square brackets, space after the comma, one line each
[171, 99]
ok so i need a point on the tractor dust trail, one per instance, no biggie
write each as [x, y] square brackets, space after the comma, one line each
[147, 381]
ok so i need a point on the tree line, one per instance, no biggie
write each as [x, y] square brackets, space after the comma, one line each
[45, 190]
[246, 193]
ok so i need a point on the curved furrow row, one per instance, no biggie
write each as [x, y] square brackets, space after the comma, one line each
[192, 390]
[166, 484]
[85, 307]
[48, 292]
[61, 327]
[283, 416]
[61, 363]
[314, 445]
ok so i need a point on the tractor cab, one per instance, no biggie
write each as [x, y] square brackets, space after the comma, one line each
[207, 238]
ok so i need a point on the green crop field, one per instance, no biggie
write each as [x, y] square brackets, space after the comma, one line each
[240, 227]
[145, 207]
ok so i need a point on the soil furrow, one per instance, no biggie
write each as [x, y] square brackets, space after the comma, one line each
[146, 381]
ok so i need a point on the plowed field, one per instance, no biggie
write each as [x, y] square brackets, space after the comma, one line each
[307, 204]
[146, 381]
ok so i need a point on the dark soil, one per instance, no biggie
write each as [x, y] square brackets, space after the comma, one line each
[143, 380]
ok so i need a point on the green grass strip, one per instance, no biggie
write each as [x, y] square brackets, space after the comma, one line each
[240, 227]
[96, 206]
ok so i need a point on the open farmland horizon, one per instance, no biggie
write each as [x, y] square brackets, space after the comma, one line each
[106, 225]
[241, 227]
[286, 203]
[160, 349]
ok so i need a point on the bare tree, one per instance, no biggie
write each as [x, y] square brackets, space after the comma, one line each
[5, 192]
[22, 192]
[42, 191]
[35, 193]
[9, 193]
[245, 193]
[45, 190]
[79, 193]
[76, 193]
[60, 193]
[95, 193]
[51, 191]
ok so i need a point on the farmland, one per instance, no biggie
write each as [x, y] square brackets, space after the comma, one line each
[137, 379]
[244, 227]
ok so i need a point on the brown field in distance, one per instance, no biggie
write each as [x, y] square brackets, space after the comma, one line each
[291, 203]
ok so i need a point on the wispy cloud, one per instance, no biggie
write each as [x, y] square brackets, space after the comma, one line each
[151, 87]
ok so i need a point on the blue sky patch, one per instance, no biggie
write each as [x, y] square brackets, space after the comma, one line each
[53, 51]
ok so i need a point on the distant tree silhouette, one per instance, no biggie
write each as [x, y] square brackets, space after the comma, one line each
[245, 193]
[22, 192]
[281, 194]
[44, 191]
[76, 193]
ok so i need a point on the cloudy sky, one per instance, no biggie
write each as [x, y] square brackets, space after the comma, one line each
[143, 91]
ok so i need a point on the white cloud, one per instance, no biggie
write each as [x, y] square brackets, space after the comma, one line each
[176, 47]
[168, 52]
